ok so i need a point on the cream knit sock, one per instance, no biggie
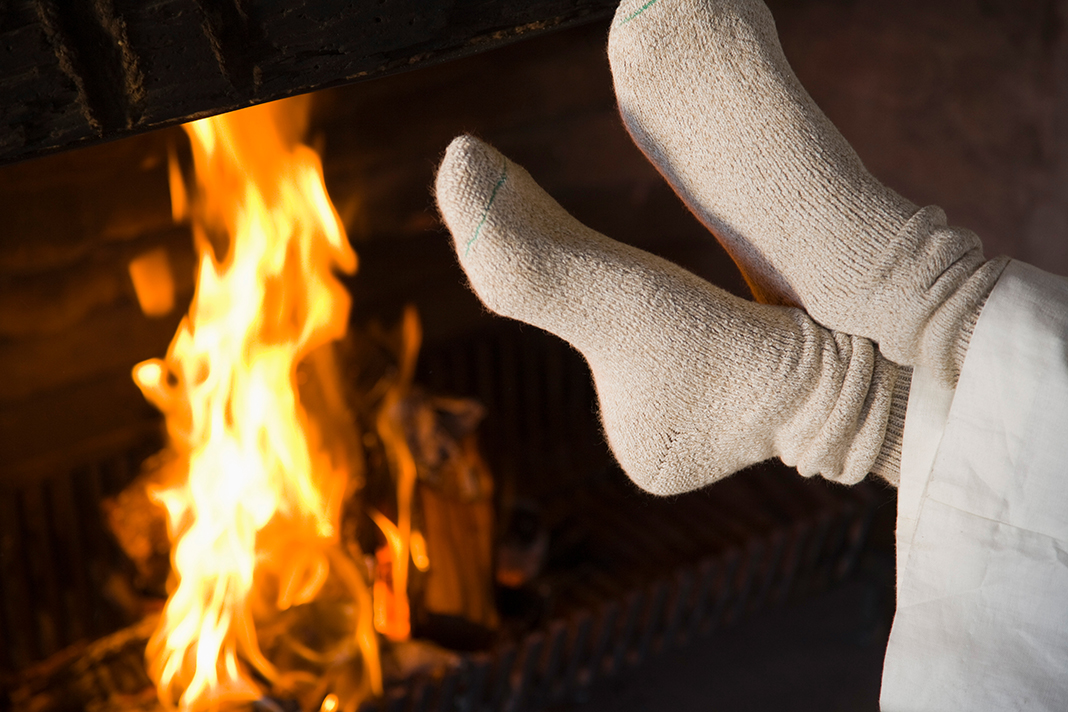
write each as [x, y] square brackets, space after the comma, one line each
[694, 383]
[706, 93]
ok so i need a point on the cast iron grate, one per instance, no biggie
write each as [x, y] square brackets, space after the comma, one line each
[627, 575]
[614, 620]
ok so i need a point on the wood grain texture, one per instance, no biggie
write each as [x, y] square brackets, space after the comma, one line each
[75, 72]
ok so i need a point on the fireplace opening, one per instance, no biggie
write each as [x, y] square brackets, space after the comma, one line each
[583, 577]
[588, 578]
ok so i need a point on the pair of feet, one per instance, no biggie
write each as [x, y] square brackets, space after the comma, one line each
[693, 383]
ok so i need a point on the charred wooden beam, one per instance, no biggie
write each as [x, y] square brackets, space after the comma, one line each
[77, 72]
[89, 41]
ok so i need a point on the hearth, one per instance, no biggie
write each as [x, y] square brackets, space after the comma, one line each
[623, 575]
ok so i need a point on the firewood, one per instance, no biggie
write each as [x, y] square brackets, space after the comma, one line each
[107, 675]
[139, 525]
[455, 492]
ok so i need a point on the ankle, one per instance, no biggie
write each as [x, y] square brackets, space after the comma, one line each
[888, 462]
[983, 284]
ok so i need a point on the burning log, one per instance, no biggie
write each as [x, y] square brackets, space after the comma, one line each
[254, 496]
[423, 454]
[239, 519]
[456, 494]
[107, 675]
[450, 523]
[139, 525]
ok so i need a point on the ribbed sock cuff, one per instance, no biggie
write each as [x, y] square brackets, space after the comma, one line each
[888, 462]
[992, 269]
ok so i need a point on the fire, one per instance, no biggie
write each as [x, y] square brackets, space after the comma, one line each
[392, 613]
[254, 503]
[153, 282]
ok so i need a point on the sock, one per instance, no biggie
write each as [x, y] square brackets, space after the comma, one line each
[707, 94]
[693, 383]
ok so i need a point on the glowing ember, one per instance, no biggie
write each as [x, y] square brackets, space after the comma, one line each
[419, 555]
[254, 502]
[392, 615]
[153, 282]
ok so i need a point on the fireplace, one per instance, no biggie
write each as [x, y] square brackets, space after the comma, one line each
[602, 593]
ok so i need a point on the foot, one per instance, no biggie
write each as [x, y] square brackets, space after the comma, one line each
[693, 383]
[707, 94]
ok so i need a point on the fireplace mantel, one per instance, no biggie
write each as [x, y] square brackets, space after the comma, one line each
[79, 72]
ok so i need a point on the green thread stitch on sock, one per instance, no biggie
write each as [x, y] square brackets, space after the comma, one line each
[485, 213]
[637, 12]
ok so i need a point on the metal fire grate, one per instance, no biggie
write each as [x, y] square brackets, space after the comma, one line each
[658, 574]
[627, 575]
[58, 563]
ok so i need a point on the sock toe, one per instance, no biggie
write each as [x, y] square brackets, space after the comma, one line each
[507, 233]
[470, 175]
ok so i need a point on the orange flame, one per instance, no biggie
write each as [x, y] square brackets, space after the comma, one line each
[392, 611]
[259, 509]
[153, 282]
